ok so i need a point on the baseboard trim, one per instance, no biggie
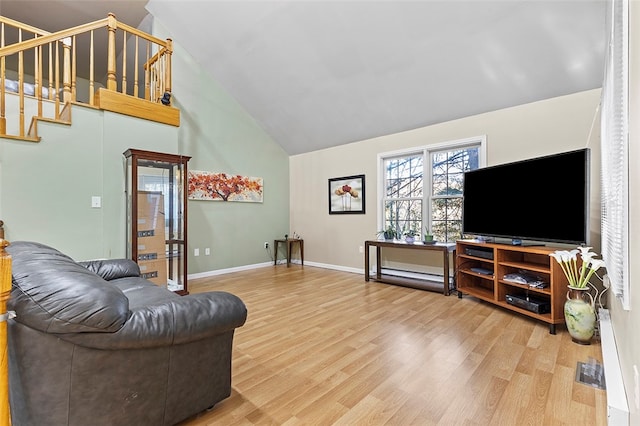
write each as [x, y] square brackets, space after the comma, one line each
[266, 264]
[228, 270]
[335, 267]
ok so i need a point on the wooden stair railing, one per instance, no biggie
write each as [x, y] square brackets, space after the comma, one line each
[5, 291]
[52, 60]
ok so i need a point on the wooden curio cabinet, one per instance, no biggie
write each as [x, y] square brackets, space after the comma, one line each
[156, 191]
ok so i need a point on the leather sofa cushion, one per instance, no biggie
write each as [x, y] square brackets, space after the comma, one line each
[54, 294]
[111, 269]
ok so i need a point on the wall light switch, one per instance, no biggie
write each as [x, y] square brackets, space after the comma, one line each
[207, 251]
[96, 202]
[196, 252]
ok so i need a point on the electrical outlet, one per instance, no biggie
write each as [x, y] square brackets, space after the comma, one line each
[196, 252]
[266, 245]
[207, 251]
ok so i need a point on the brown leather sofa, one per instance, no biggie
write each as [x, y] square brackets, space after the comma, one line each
[92, 343]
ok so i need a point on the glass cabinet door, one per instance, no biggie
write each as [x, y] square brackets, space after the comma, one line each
[157, 216]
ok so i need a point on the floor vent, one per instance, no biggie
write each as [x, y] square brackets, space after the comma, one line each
[591, 373]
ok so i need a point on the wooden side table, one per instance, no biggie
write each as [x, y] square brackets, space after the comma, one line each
[288, 243]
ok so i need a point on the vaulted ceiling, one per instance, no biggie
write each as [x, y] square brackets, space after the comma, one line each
[316, 74]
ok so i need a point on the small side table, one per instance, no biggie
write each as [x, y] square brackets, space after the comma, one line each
[287, 244]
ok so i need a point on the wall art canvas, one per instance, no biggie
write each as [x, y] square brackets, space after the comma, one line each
[224, 187]
[346, 195]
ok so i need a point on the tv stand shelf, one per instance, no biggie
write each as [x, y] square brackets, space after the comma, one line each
[503, 259]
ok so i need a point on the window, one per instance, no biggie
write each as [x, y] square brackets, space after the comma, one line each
[412, 200]
[447, 170]
[403, 202]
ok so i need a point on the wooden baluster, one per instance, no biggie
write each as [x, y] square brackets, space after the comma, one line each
[51, 93]
[57, 81]
[3, 118]
[158, 79]
[112, 84]
[167, 69]
[37, 93]
[147, 74]
[73, 69]
[37, 70]
[156, 76]
[66, 69]
[91, 66]
[21, 86]
[135, 68]
[5, 291]
[21, 92]
[124, 62]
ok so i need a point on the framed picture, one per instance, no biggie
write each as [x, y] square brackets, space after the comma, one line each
[224, 187]
[346, 195]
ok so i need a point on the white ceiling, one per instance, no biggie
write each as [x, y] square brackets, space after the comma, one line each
[316, 74]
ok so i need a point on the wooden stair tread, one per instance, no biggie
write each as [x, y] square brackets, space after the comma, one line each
[53, 120]
[25, 138]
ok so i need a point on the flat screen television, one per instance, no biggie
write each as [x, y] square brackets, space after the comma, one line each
[543, 199]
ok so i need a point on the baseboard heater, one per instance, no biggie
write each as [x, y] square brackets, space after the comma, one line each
[617, 407]
[411, 274]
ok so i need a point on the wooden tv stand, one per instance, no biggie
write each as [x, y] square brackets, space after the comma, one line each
[501, 259]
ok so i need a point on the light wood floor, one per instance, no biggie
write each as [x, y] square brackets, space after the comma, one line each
[323, 347]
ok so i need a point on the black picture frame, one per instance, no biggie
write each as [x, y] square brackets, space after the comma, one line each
[347, 195]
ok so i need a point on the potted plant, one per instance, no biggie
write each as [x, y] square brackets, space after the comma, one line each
[428, 236]
[579, 308]
[410, 235]
[389, 234]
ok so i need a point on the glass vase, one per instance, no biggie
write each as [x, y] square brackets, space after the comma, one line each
[346, 202]
[580, 315]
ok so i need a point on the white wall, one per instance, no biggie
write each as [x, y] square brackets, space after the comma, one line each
[540, 128]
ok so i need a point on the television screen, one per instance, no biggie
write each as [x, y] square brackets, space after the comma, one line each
[541, 199]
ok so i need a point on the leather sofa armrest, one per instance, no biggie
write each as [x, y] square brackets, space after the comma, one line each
[174, 321]
[111, 269]
[203, 315]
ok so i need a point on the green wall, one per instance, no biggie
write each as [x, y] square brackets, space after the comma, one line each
[221, 137]
[46, 187]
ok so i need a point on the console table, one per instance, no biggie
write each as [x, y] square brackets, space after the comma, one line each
[444, 248]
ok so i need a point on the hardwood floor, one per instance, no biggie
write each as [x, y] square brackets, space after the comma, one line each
[323, 347]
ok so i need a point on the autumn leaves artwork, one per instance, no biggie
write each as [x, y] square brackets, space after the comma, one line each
[224, 187]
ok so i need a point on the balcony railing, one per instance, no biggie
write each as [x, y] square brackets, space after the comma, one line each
[48, 71]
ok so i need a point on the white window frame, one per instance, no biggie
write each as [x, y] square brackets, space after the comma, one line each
[426, 151]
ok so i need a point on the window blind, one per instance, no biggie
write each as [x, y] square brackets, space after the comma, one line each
[615, 149]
